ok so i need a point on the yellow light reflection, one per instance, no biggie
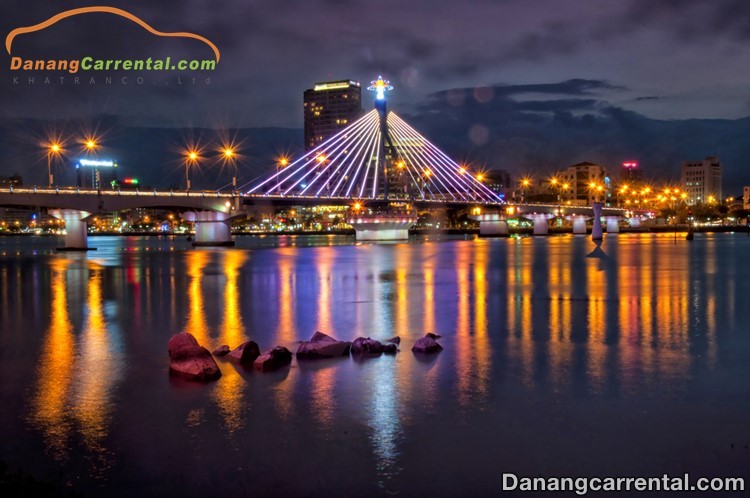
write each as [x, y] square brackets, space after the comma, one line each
[196, 320]
[49, 405]
[229, 393]
[98, 370]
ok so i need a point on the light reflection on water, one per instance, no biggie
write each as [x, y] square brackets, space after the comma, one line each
[549, 320]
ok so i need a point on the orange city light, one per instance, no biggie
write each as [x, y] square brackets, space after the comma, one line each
[480, 177]
[55, 147]
[283, 161]
[228, 153]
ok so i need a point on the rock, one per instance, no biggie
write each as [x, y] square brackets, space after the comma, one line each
[190, 360]
[273, 359]
[390, 349]
[427, 344]
[394, 340]
[321, 345]
[221, 350]
[365, 346]
[246, 352]
[433, 336]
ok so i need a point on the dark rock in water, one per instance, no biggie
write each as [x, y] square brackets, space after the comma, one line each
[427, 344]
[365, 346]
[321, 345]
[390, 349]
[394, 340]
[190, 360]
[273, 359]
[246, 352]
[433, 336]
[221, 350]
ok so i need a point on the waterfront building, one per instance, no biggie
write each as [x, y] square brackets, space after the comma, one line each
[701, 179]
[96, 173]
[746, 197]
[580, 177]
[11, 181]
[329, 107]
[499, 180]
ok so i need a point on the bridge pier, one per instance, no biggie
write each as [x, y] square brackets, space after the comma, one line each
[381, 226]
[212, 228]
[491, 224]
[596, 230]
[541, 226]
[634, 221]
[579, 223]
[613, 224]
[76, 235]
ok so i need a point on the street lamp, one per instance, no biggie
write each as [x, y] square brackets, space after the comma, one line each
[53, 148]
[228, 155]
[282, 162]
[191, 157]
[525, 183]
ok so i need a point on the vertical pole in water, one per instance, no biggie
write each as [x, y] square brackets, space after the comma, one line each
[596, 230]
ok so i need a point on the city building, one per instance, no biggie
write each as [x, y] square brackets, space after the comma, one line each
[580, 177]
[96, 173]
[11, 181]
[499, 180]
[329, 107]
[702, 179]
[746, 198]
[631, 173]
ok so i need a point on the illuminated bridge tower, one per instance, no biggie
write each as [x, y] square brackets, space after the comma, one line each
[382, 168]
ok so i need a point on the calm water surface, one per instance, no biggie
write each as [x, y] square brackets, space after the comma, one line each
[560, 358]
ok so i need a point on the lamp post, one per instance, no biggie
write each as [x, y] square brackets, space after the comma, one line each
[525, 183]
[191, 157]
[228, 156]
[283, 162]
[54, 148]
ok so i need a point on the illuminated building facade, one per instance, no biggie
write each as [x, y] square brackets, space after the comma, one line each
[329, 108]
[746, 198]
[96, 173]
[580, 177]
[701, 179]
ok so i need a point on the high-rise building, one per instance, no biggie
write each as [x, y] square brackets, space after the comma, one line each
[96, 173]
[702, 179]
[630, 172]
[499, 180]
[580, 178]
[329, 107]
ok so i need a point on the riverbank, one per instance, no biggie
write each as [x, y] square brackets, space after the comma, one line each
[448, 231]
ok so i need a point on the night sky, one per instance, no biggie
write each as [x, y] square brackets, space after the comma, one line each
[525, 85]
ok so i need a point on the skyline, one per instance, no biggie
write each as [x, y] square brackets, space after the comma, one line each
[517, 86]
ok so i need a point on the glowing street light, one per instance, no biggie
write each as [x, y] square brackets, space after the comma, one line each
[191, 157]
[228, 155]
[281, 162]
[480, 177]
[525, 184]
[52, 149]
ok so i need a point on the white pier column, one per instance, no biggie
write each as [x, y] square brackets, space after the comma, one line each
[579, 223]
[635, 222]
[613, 224]
[596, 230]
[212, 228]
[541, 227]
[76, 236]
[381, 226]
[491, 224]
